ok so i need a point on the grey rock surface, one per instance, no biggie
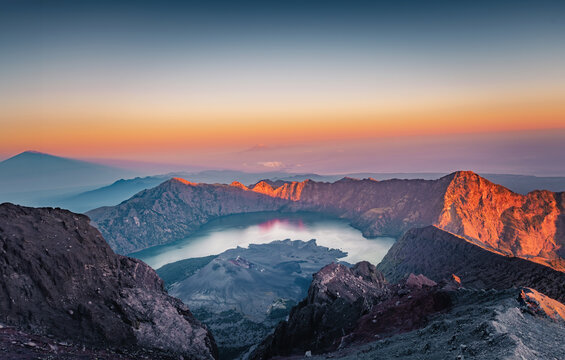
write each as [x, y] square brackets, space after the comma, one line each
[60, 278]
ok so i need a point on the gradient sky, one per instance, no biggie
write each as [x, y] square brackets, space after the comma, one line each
[322, 86]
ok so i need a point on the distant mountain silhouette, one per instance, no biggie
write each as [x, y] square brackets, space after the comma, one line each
[40, 175]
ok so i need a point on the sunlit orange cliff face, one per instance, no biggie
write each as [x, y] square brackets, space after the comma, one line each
[528, 226]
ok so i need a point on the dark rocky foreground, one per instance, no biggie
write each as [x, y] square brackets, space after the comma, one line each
[354, 313]
[16, 344]
[61, 280]
[482, 325]
[343, 306]
[472, 302]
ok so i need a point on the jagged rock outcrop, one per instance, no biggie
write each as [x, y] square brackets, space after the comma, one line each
[60, 278]
[438, 254]
[530, 226]
[537, 303]
[338, 296]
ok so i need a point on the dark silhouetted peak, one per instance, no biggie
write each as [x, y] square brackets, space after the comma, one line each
[33, 153]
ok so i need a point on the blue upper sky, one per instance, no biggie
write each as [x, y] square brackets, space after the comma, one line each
[75, 74]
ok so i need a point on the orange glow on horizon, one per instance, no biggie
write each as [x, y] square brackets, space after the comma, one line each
[87, 133]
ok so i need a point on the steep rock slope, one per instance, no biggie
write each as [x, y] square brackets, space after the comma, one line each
[464, 203]
[60, 278]
[375, 207]
[437, 254]
[530, 226]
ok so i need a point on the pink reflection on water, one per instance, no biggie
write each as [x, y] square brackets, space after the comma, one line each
[270, 224]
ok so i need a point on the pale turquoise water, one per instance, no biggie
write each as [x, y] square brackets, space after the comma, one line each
[259, 228]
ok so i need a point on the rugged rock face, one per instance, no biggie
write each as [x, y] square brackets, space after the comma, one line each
[523, 225]
[530, 226]
[16, 344]
[60, 278]
[437, 254]
[285, 190]
[337, 298]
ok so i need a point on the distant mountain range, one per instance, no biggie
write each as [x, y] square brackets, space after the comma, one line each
[38, 179]
[123, 189]
[34, 178]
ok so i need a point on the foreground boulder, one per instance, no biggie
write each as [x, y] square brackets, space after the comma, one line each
[60, 278]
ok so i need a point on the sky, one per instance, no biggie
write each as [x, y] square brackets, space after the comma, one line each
[321, 86]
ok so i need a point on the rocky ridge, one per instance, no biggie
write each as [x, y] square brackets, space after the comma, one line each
[60, 278]
[438, 254]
